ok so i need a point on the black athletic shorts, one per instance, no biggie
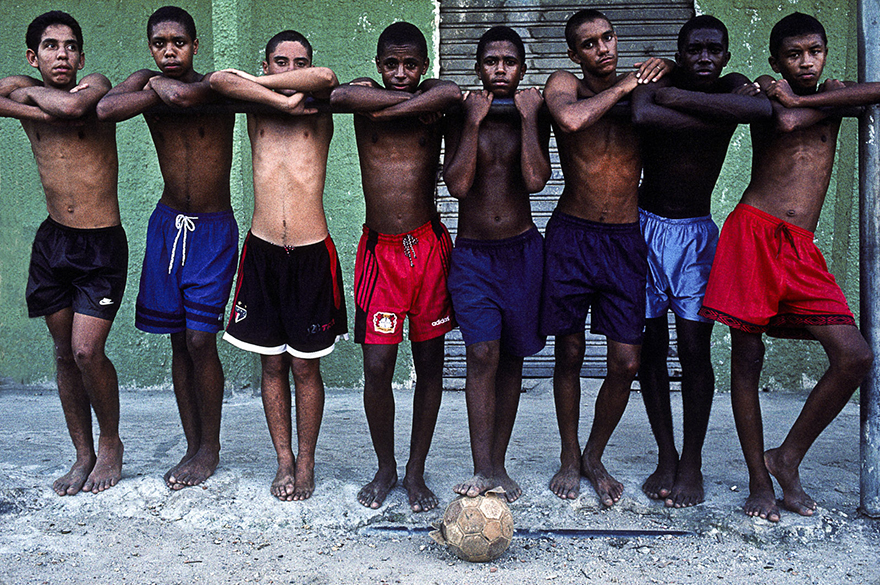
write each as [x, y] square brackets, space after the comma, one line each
[80, 268]
[287, 299]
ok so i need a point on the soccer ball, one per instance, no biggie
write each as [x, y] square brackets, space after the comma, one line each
[476, 529]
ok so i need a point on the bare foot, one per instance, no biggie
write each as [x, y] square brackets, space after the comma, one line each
[173, 471]
[660, 484]
[794, 497]
[688, 488]
[72, 482]
[512, 491]
[108, 467]
[607, 488]
[373, 494]
[421, 499]
[567, 482]
[762, 503]
[195, 470]
[305, 480]
[473, 487]
[284, 483]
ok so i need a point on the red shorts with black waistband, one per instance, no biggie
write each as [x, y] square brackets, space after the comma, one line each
[769, 277]
[402, 275]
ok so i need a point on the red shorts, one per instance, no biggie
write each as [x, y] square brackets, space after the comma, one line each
[399, 275]
[769, 277]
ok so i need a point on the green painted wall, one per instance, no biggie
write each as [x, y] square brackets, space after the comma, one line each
[232, 33]
[793, 365]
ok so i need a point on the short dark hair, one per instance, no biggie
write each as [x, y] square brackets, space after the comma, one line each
[501, 33]
[795, 25]
[402, 33]
[172, 14]
[285, 36]
[577, 19]
[39, 25]
[702, 23]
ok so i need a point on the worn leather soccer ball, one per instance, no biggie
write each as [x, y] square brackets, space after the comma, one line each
[476, 529]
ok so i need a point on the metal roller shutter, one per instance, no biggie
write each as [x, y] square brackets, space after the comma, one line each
[646, 28]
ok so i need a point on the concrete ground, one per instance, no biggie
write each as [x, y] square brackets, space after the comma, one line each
[231, 530]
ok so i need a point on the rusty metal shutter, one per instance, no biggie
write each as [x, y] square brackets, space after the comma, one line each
[648, 27]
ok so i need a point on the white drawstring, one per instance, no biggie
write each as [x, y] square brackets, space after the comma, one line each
[183, 223]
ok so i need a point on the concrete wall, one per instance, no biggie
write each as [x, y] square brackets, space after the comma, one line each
[233, 33]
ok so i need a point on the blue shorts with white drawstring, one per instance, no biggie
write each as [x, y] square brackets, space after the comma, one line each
[188, 269]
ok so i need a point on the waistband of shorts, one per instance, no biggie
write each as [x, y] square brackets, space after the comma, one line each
[224, 215]
[774, 221]
[75, 230]
[513, 241]
[258, 242]
[423, 229]
[598, 226]
[676, 221]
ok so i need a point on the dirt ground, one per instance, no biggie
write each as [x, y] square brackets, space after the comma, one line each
[231, 530]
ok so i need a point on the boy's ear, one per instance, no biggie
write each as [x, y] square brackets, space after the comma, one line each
[574, 56]
[425, 67]
[726, 59]
[678, 59]
[31, 57]
[195, 46]
[265, 67]
[773, 64]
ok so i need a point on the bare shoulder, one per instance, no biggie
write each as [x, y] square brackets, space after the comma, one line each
[13, 82]
[732, 81]
[560, 81]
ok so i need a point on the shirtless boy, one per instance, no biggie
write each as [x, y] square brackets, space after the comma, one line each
[770, 277]
[685, 123]
[192, 238]
[288, 304]
[493, 162]
[595, 225]
[79, 259]
[403, 256]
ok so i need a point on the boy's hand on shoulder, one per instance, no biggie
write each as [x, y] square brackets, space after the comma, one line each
[81, 86]
[781, 91]
[652, 69]
[747, 89]
[831, 85]
[476, 105]
[528, 101]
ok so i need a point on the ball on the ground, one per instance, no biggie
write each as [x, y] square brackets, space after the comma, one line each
[476, 529]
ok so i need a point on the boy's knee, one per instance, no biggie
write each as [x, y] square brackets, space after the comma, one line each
[275, 366]
[483, 356]
[87, 355]
[201, 344]
[305, 371]
[856, 363]
[378, 369]
[570, 355]
[624, 366]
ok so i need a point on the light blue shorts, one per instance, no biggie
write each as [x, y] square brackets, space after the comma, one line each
[680, 254]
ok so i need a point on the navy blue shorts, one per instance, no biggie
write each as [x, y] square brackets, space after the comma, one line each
[594, 264]
[496, 291]
[84, 269]
[188, 269]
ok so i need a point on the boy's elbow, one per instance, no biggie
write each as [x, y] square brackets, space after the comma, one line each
[328, 78]
[339, 96]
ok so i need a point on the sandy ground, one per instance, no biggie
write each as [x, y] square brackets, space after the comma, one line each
[231, 530]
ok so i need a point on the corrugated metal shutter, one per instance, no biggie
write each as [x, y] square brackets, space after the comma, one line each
[646, 28]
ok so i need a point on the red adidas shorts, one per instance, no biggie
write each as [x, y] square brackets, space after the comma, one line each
[769, 277]
[402, 275]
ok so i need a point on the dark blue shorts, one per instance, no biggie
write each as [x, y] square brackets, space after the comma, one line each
[496, 291]
[594, 264]
[188, 269]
